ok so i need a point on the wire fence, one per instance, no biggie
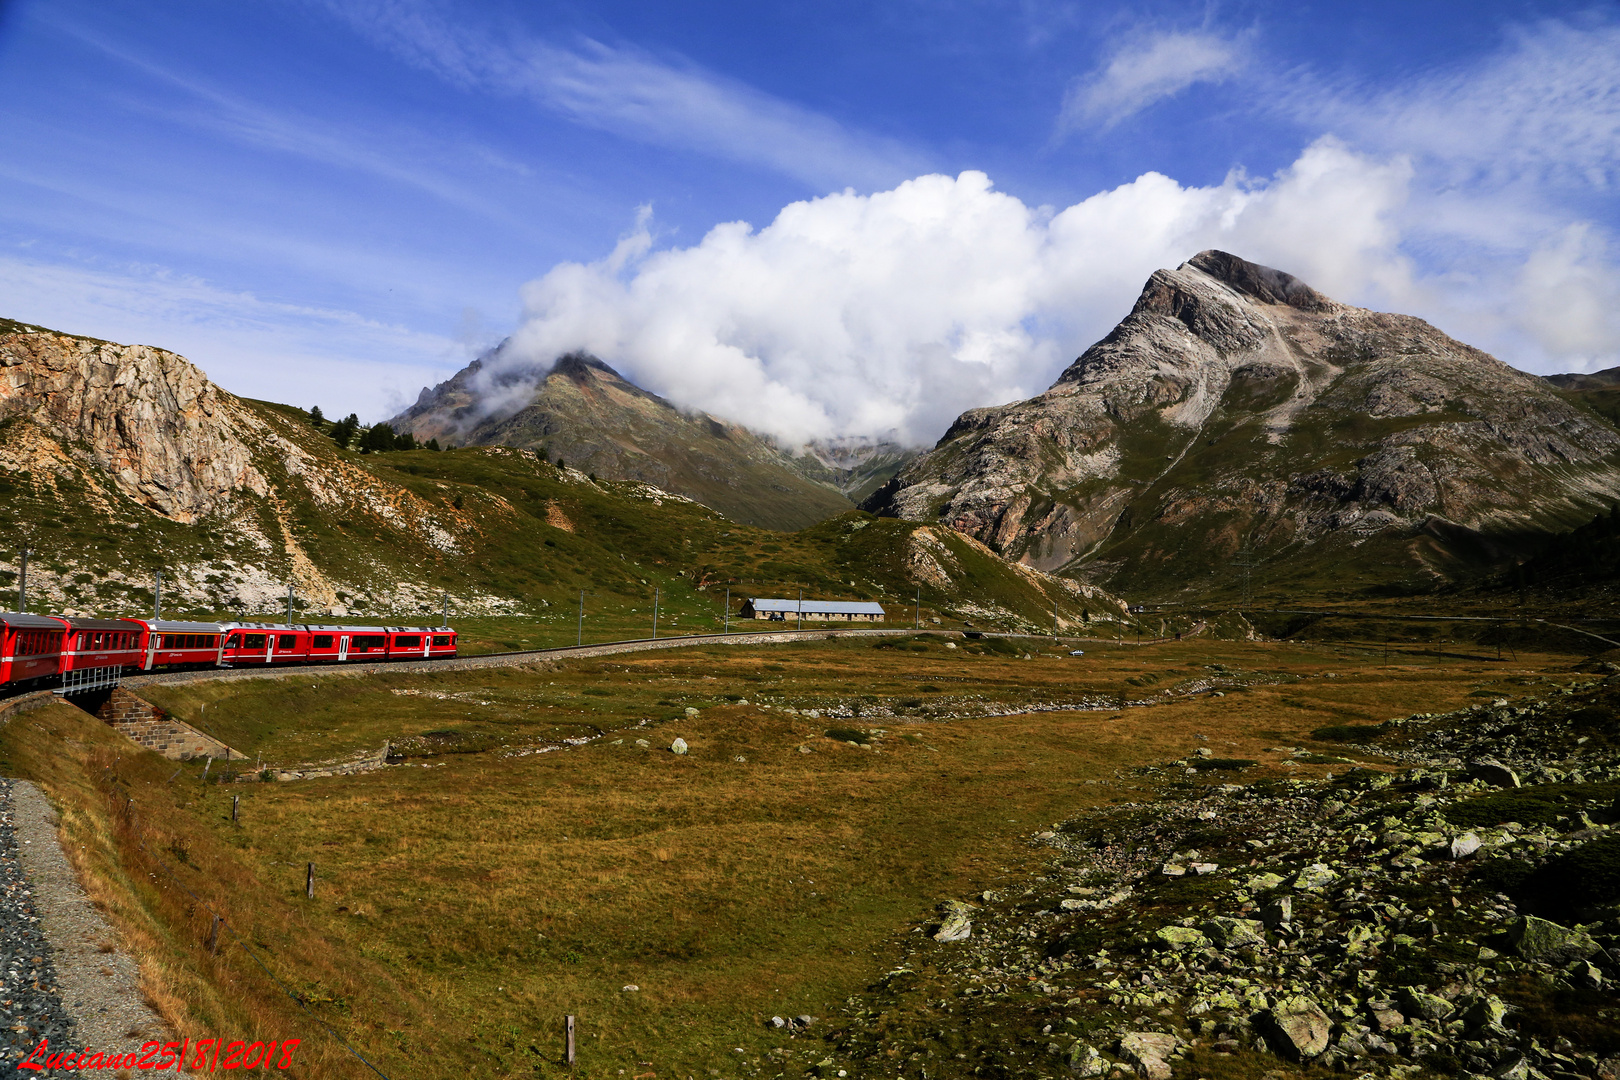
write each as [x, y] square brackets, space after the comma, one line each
[221, 921]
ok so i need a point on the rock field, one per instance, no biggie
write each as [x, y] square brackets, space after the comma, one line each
[1458, 916]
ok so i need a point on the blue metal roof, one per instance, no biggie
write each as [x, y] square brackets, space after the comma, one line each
[818, 607]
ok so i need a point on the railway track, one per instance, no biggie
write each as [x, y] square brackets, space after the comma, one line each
[510, 659]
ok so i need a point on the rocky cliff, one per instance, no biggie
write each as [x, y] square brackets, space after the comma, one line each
[146, 419]
[582, 411]
[1235, 409]
[120, 460]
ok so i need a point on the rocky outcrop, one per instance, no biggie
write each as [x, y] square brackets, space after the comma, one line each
[1388, 959]
[146, 419]
[1237, 407]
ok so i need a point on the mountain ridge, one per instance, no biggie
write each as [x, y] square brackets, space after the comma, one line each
[581, 410]
[1237, 409]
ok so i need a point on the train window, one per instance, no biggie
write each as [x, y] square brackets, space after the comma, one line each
[253, 641]
[211, 640]
[321, 641]
[287, 641]
[364, 642]
[442, 639]
[403, 642]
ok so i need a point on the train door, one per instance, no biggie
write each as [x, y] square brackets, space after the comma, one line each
[343, 647]
[151, 646]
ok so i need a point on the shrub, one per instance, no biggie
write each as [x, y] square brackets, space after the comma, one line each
[843, 734]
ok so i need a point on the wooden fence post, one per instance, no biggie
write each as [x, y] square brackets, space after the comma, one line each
[309, 882]
[213, 935]
[570, 1027]
[236, 802]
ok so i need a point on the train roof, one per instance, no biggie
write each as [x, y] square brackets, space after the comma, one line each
[166, 626]
[21, 620]
[817, 607]
[99, 624]
[381, 629]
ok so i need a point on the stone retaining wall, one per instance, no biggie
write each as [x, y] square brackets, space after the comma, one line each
[146, 725]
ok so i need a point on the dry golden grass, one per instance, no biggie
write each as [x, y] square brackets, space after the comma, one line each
[463, 908]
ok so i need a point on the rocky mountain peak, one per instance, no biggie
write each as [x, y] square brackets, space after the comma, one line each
[581, 366]
[1234, 407]
[1261, 283]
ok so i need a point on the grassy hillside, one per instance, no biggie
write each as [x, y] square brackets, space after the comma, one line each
[501, 532]
[463, 908]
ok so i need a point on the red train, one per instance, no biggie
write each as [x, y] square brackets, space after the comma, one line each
[52, 651]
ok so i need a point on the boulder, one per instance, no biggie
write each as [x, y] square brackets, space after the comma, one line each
[1465, 845]
[678, 746]
[1516, 1067]
[1493, 772]
[1384, 1016]
[1181, 937]
[1297, 1028]
[1280, 912]
[1085, 1061]
[958, 921]
[1487, 1012]
[1314, 877]
[1148, 1052]
[1418, 1003]
[1230, 933]
[1539, 939]
[691, 711]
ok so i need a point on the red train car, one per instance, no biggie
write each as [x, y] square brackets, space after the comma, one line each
[30, 647]
[179, 644]
[340, 644]
[264, 643]
[102, 643]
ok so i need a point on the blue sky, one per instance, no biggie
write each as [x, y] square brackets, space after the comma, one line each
[945, 202]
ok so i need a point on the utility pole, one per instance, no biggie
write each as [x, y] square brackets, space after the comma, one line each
[1246, 562]
[1054, 620]
[22, 583]
[579, 633]
[800, 624]
[157, 597]
[917, 625]
[446, 616]
[726, 627]
[289, 604]
[655, 613]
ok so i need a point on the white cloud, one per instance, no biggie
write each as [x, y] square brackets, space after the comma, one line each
[663, 101]
[1569, 290]
[1146, 70]
[863, 314]
[250, 346]
[1544, 109]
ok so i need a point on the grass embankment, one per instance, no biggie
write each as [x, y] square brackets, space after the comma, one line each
[464, 907]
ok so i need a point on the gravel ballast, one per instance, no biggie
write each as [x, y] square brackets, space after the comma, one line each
[66, 979]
